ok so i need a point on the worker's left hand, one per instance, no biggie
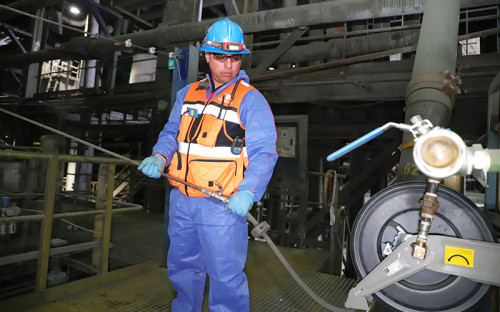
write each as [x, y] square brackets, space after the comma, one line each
[241, 202]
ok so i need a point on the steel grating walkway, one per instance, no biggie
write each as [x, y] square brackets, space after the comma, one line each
[271, 287]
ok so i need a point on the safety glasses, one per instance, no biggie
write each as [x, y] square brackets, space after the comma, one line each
[223, 58]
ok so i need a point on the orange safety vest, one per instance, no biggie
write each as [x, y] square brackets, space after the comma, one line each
[205, 156]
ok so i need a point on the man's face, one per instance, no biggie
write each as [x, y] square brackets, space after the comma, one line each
[223, 67]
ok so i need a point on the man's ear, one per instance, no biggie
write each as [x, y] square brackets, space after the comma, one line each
[207, 56]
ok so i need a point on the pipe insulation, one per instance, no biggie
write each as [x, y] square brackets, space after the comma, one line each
[433, 84]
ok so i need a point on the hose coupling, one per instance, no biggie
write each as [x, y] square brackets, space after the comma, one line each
[428, 206]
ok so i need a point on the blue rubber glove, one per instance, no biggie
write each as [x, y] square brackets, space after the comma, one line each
[241, 202]
[152, 166]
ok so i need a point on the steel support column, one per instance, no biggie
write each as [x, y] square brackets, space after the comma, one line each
[46, 227]
[102, 223]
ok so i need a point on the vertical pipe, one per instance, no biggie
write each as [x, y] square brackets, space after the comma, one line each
[46, 226]
[200, 10]
[284, 35]
[90, 67]
[428, 93]
[36, 44]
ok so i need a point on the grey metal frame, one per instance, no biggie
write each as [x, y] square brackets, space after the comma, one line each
[103, 213]
[400, 264]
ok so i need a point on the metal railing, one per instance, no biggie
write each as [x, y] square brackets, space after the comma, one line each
[102, 214]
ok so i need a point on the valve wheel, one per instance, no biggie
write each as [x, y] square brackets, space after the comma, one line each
[398, 207]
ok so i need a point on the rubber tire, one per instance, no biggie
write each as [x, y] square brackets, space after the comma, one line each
[457, 216]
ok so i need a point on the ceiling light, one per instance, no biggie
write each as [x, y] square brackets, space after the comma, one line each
[75, 10]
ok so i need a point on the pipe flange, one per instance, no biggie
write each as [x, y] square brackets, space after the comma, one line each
[443, 81]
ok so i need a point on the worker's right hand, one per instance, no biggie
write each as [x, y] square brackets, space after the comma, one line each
[240, 202]
[152, 166]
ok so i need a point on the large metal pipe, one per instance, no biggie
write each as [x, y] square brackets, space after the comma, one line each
[339, 47]
[431, 90]
[284, 18]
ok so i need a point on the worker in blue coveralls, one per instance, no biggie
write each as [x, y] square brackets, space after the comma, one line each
[220, 136]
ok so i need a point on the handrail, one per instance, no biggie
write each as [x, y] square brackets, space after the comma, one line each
[64, 157]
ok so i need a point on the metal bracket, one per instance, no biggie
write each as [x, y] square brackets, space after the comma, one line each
[444, 255]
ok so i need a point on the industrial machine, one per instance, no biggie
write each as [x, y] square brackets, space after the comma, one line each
[420, 246]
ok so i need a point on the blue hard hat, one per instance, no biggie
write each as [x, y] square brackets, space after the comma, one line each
[224, 36]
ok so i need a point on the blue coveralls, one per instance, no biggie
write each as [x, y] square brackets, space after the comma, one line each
[204, 237]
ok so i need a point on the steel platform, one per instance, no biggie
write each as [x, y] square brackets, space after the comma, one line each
[147, 289]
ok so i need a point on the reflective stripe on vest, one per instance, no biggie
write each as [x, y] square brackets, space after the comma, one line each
[213, 152]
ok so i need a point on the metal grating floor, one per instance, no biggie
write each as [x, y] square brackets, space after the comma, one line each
[271, 287]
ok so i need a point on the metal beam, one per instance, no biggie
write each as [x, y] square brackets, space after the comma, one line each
[16, 30]
[211, 3]
[360, 58]
[31, 255]
[99, 19]
[231, 7]
[282, 48]
[339, 47]
[135, 17]
[384, 81]
[133, 4]
[143, 4]
[347, 61]
[27, 6]
[14, 38]
[357, 43]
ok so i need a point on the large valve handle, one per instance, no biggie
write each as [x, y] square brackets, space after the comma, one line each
[417, 128]
[351, 146]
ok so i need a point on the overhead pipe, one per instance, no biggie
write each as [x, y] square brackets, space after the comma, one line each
[433, 84]
[336, 48]
[284, 18]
